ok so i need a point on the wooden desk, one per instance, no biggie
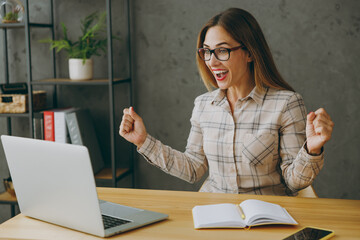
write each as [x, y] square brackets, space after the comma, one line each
[342, 216]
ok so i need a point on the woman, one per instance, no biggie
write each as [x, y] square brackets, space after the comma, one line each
[251, 132]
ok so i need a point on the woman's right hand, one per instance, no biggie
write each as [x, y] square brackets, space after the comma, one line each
[132, 127]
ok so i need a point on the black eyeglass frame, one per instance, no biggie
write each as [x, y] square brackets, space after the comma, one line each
[229, 50]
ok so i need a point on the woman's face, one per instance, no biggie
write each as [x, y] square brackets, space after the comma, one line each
[233, 72]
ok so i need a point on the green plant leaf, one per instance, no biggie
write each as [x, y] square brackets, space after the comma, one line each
[92, 42]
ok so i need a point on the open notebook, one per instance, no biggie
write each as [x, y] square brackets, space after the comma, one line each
[250, 212]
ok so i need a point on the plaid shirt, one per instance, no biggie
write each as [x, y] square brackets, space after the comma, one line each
[259, 149]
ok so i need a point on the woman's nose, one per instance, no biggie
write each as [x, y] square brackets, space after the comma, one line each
[213, 60]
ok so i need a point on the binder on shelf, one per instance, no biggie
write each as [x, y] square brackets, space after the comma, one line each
[49, 129]
[82, 132]
[38, 122]
[55, 125]
[61, 130]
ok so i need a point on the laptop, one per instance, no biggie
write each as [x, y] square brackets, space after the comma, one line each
[54, 182]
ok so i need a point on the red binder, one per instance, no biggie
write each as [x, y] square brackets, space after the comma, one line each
[49, 128]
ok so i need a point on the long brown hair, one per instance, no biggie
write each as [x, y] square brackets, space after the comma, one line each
[243, 27]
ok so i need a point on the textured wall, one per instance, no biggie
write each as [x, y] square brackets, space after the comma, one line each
[315, 45]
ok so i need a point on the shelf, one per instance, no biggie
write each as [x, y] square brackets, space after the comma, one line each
[36, 114]
[12, 25]
[106, 173]
[66, 81]
[6, 197]
[22, 25]
[107, 81]
[41, 25]
[14, 114]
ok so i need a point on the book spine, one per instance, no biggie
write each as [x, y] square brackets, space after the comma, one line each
[60, 127]
[73, 128]
[38, 124]
[42, 128]
[49, 129]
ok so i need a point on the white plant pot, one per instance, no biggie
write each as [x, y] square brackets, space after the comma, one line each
[80, 71]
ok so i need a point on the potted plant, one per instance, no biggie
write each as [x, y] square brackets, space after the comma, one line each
[90, 43]
[14, 11]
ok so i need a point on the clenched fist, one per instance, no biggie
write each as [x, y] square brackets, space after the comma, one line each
[318, 130]
[132, 127]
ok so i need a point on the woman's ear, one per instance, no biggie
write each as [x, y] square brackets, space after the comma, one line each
[249, 57]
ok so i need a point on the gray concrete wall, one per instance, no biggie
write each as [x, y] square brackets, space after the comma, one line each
[315, 45]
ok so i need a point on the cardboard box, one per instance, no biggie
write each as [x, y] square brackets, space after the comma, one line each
[18, 103]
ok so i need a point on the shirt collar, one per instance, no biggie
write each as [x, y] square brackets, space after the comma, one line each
[218, 96]
[257, 94]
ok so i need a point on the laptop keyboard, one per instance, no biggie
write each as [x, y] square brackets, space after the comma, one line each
[110, 222]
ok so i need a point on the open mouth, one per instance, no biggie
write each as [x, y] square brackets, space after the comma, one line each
[220, 74]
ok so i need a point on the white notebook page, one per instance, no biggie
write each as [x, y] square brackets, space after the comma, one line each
[217, 215]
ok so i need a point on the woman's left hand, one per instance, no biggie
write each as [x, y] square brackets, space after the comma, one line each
[318, 130]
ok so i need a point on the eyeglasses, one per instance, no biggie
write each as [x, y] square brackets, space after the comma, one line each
[222, 54]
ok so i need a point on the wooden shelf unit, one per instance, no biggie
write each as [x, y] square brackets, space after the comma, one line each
[112, 174]
[7, 198]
